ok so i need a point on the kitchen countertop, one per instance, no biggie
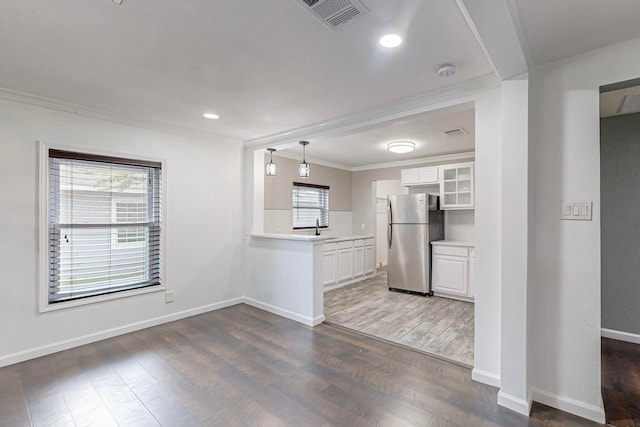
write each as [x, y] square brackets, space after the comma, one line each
[453, 243]
[345, 238]
[294, 237]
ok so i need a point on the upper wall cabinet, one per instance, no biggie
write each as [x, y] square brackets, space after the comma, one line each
[456, 186]
[419, 176]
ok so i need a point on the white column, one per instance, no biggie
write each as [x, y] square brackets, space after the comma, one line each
[514, 385]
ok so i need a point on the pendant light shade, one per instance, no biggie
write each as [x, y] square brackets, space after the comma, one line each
[303, 168]
[271, 168]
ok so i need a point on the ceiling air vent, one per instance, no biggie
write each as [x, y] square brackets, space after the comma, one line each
[456, 132]
[334, 13]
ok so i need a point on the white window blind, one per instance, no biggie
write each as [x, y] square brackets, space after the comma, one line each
[310, 204]
[104, 225]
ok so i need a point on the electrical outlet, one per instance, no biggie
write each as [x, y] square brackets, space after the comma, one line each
[168, 297]
[362, 227]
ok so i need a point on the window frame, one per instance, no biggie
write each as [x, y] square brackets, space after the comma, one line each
[43, 228]
[293, 208]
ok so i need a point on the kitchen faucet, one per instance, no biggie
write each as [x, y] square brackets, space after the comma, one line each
[317, 227]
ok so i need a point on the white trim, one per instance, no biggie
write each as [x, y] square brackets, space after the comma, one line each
[42, 252]
[305, 320]
[428, 101]
[469, 155]
[312, 161]
[476, 34]
[485, 377]
[567, 404]
[110, 333]
[96, 113]
[516, 404]
[457, 157]
[348, 282]
[619, 335]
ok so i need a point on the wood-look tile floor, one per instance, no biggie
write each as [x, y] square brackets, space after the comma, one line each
[621, 382]
[241, 366]
[438, 326]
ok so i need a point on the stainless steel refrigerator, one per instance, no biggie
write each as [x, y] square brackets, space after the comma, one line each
[414, 220]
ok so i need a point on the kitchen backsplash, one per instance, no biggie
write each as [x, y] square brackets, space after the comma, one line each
[280, 221]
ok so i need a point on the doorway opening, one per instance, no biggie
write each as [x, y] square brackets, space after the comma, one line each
[620, 240]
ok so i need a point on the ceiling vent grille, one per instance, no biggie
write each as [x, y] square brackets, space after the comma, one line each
[334, 13]
[456, 132]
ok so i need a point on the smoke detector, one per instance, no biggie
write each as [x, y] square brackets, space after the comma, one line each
[446, 70]
[456, 132]
[334, 13]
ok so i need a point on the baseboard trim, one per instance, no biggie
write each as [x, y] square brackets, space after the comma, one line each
[485, 377]
[567, 404]
[297, 317]
[516, 404]
[620, 336]
[349, 282]
[110, 333]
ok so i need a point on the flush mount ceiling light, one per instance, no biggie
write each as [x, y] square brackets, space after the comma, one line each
[390, 40]
[446, 70]
[271, 168]
[211, 116]
[401, 147]
[117, 1]
[303, 168]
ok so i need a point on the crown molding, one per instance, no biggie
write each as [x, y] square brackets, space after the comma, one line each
[435, 99]
[456, 157]
[469, 155]
[312, 161]
[96, 113]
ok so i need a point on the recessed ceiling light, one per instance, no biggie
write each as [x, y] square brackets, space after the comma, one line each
[211, 116]
[390, 40]
[401, 147]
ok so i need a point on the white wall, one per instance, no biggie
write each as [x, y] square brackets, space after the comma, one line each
[565, 321]
[203, 222]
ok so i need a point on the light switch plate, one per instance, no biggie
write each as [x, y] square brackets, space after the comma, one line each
[578, 211]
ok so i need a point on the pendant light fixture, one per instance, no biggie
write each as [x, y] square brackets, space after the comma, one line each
[303, 168]
[271, 168]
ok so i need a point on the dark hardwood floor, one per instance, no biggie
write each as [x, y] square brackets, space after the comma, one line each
[621, 382]
[241, 366]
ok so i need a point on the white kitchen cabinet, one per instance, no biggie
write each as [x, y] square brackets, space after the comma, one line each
[330, 264]
[451, 263]
[345, 261]
[369, 256]
[358, 258]
[457, 186]
[419, 176]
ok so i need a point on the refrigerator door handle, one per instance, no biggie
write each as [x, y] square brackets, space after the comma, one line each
[389, 226]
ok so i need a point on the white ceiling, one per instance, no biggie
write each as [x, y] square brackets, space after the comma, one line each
[263, 66]
[269, 67]
[368, 145]
[556, 29]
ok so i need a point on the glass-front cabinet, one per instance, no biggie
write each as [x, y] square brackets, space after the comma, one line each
[456, 186]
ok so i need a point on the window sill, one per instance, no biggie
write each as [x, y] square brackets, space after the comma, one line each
[48, 307]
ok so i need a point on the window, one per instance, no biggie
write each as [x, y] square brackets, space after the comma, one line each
[131, 212]
[310, 205]
[103, 225]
